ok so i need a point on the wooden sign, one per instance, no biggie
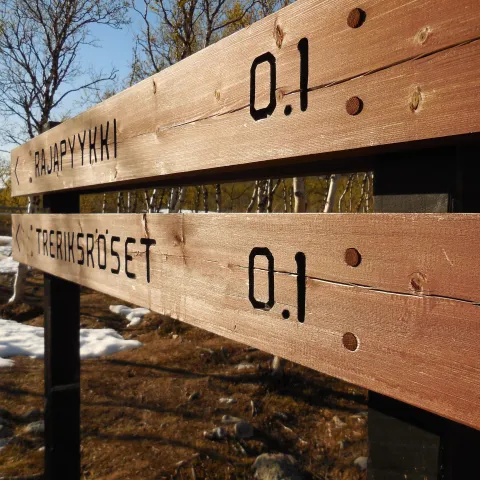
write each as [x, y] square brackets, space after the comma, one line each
[388, 302]
[312, 79]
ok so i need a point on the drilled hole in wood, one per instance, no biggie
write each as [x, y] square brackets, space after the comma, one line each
[356, 18]
[353, 257]
[350, 341]
[354, 106]
[286, 314]
[288, 110]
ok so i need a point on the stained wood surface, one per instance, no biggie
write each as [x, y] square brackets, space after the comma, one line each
[194, 117]
[417, 342]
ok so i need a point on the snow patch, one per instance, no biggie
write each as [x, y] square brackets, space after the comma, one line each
[17, 339]
[133, 315]
[8, 266]
[361, 462]
[5, 240]
[6, 362]
[5, 246]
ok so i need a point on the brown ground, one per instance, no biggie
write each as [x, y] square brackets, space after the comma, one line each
[138, 422]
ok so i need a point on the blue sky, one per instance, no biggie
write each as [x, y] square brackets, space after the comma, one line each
[114, 50]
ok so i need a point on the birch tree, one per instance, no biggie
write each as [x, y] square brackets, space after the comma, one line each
[40, 45]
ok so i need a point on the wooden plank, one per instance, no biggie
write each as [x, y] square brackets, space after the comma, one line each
[196, 116]
[421, 348]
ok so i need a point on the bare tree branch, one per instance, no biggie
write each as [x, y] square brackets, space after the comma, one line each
[40, 41]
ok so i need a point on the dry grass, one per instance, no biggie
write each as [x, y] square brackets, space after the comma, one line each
[137, 421]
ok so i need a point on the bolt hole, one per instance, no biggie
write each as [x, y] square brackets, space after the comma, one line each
[350, 341]
[356, 18]
[353, 257]
[354, 106]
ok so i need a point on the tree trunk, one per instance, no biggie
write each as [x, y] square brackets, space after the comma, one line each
[178, 200]
[278, 364]
[21, 275]
[205, 199]
[218, 197]
[104, 203]
[332, 189]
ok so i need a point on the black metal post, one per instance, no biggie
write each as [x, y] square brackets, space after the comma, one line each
[62, 364]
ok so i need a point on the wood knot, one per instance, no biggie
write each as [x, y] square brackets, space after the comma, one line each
[356, 18]
[154, 87]
[415, 100]
[279, 36]
[178, 240]
[217, 94]
[417, 282]
[423, 35]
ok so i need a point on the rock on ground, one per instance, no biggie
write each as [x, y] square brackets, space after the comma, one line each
[36, 428]
[5, 432]
[361, 463]
[217, 433]
[243, 430]
[32, 415]
[245, 366]
[228, 419]
[277, 466]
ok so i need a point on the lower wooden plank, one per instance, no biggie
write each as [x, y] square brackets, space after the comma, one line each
[241, 276]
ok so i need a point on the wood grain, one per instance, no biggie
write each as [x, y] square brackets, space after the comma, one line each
[194, 116]
[417, 345]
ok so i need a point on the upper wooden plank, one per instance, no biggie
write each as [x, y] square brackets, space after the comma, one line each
[415, 64]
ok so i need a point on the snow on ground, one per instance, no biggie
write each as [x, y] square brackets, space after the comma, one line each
[8, 266]
[133, 315]
[17, 339]
[5, 246]
[6, 362]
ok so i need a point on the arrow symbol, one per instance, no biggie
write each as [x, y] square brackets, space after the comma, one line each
[16, 165]
[16, 237]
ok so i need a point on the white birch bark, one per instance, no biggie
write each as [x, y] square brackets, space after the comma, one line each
[20, 281]
[332, 189]
[178, 200]
[218, 197]
[278, 363]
